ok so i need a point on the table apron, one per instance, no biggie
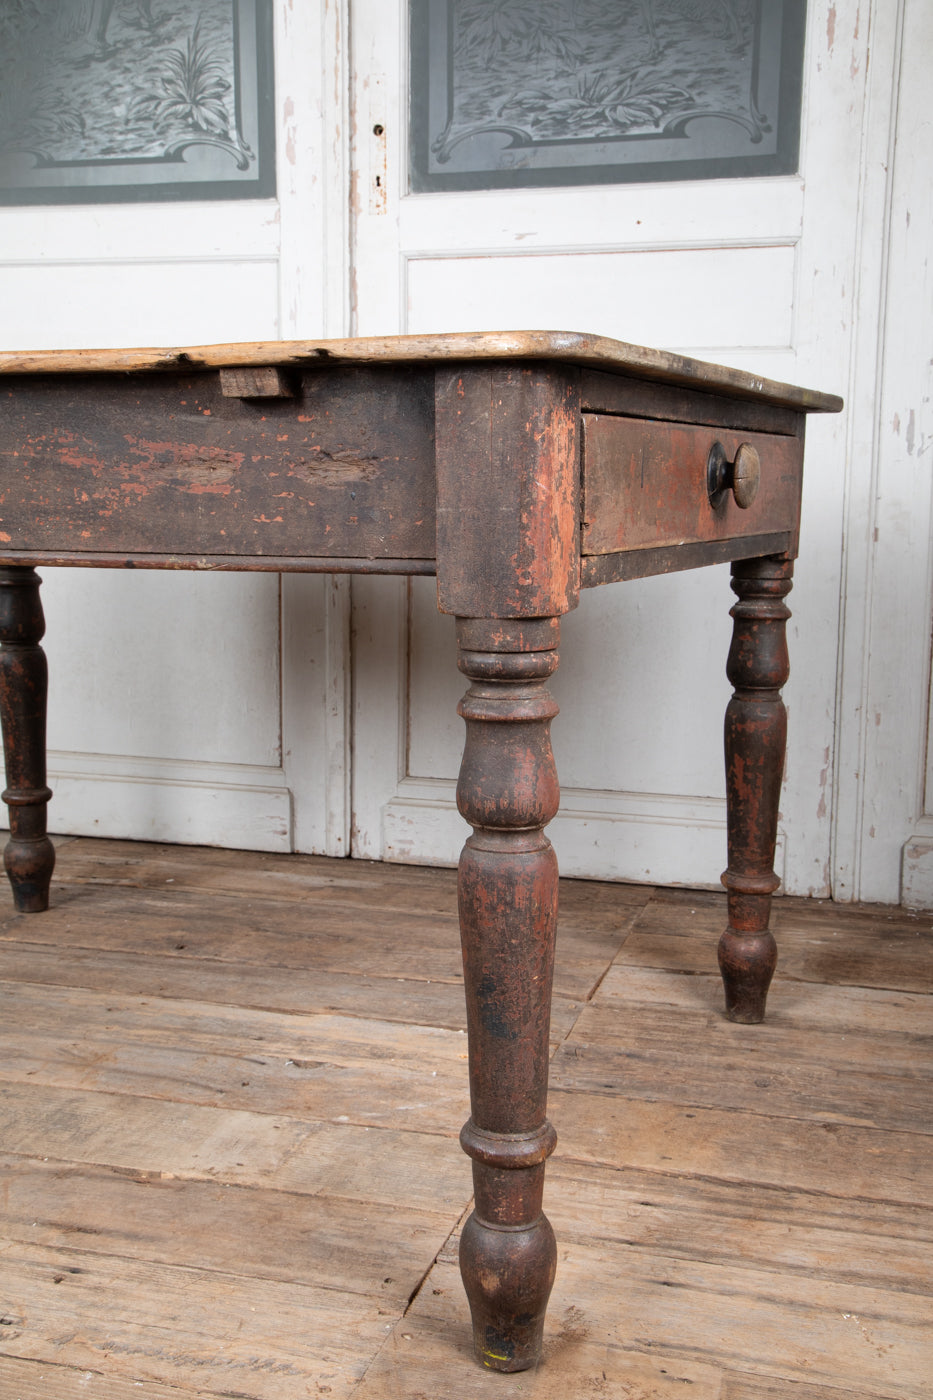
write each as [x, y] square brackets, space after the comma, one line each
[166, 470]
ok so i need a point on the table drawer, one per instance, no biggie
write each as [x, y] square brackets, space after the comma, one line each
[645, 485]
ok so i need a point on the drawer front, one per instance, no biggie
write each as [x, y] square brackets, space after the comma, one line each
[645, 485]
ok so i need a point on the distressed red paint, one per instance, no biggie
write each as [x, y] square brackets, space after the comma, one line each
[755, 740]
[508, 792]
[508, 483]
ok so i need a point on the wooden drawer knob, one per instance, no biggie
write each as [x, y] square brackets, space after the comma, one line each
[743, 476]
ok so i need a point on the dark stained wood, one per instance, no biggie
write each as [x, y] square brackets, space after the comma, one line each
[227, 563]
[165, 465]
[263, 382]
[632, 398]
[645, 485]
[755, 742]
[507, 888]
[29, 856]
[508, 486]
[597, 569]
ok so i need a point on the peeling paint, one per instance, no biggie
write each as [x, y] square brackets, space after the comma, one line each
[824, 774]
[290, 148]
[831, 28]
[911, 432]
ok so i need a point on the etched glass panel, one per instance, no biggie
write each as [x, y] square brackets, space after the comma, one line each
[566, 92]
[104, 100]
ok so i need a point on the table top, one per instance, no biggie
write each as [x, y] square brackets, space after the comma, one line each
[568, 347]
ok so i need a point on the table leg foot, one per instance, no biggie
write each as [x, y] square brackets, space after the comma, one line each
[29, 857]
[747, 963]
[508, 1274]
[755, 743]
[508, 792]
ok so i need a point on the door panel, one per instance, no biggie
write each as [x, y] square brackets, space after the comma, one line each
[642, 680]
[192, 707]
[748, 272]
[52, 306]
[710, 297]
[131, 688]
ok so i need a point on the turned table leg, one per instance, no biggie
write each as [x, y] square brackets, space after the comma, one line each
[29, 856]
[755, 741]
[508, 792]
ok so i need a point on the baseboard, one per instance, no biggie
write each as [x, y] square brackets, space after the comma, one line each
[649, 838]
[917, 867]
[203, 804]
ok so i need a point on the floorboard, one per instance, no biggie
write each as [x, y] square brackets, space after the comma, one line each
[230, 1091]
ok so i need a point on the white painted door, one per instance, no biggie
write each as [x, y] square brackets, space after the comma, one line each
[884, 782]
[190, 707]
[754, 272]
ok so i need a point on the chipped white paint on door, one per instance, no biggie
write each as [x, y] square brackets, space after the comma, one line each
[773, 275]
[884, 791]
[189, 707]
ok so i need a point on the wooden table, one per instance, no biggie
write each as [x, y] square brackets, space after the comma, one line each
[518, 468]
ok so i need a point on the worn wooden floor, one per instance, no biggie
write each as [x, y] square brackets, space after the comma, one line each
[230, 1090]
